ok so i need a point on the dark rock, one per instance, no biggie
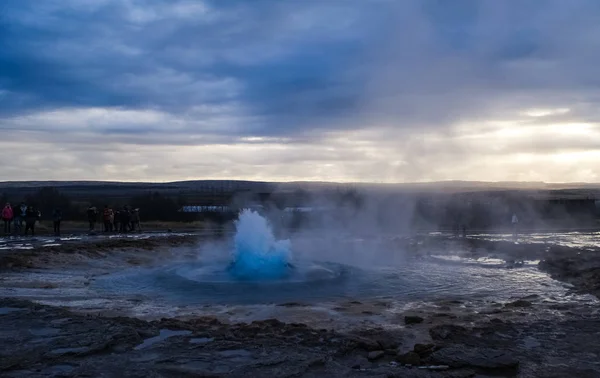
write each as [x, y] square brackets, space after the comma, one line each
[459, 356]
[519, 303]
[375, 355]
[413, 319]
[388, 343]
[147, 333]
[360, 363]
[270, 322]
[366, 344]
[424, 350]
[292, 304]
[410, 358]
[446, 331]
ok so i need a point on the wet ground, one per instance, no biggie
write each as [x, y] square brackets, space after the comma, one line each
[427, 306]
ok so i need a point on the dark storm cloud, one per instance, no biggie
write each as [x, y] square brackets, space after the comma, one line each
[268, 56]
[280, 68]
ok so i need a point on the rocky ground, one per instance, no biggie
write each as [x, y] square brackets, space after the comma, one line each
[500, 340]
[41, 256]
[529, 337]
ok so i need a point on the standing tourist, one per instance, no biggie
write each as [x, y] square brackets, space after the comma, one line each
[7, 217]
[92, 214]
[108, 216]
[135, 220]
[57, 218]
[31, 216]
[19, 218]
[515, 226]
[116, 220]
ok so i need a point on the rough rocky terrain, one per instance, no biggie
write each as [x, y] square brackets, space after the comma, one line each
[528, 337]
[43, 256]
[509, 340]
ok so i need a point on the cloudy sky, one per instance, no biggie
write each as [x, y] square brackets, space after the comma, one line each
[335, 90]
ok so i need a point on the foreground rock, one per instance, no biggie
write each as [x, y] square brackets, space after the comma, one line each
[67, 253]
[581, 268]
[492, 360]
[40, 341]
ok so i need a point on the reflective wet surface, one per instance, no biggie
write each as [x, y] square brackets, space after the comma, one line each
[31, 242]
[168, 283]
[468, 295]
[567, 239]
[429, 279]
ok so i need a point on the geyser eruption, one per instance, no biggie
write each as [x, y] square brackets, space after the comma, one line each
[257, 255]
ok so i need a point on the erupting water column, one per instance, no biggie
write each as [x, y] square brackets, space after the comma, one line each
[257, 255]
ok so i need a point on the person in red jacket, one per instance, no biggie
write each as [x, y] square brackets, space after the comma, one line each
[7, 216]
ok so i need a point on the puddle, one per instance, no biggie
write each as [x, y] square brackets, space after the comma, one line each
[58, 369]
[44, 340]
[69, 350]
[146, 357]
[8, 310]
[531, 343]
[61, 321]
[164, 334]
[44, 331]
[236, 353]
[201, 340]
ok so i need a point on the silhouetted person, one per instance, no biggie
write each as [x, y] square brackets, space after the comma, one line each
[107, 216]
[19, 217]
[31, 216]
[57, 218]
[515, 226]
[117, 220]
[135, 220]
[464, 230]
[92, 214]
[125, 219]
[7, 217]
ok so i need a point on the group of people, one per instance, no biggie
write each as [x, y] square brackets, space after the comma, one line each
[121, 220]
[17, 216]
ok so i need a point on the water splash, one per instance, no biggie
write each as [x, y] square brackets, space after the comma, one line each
[257, 255]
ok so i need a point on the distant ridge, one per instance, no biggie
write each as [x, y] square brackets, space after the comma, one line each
[451, 185]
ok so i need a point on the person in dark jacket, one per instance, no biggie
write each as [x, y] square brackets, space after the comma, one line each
[31, 216]
[125, 219]
[92, 214]
[107, 216]
[135, 220]
[57, 218]
[117, 220]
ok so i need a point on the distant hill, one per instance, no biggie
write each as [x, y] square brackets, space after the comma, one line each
[454, 185]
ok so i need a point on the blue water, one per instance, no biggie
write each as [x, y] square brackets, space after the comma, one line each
[257, 255]
[194, 283]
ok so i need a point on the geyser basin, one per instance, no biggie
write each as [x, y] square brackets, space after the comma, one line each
[418, 280]
[263, 270]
